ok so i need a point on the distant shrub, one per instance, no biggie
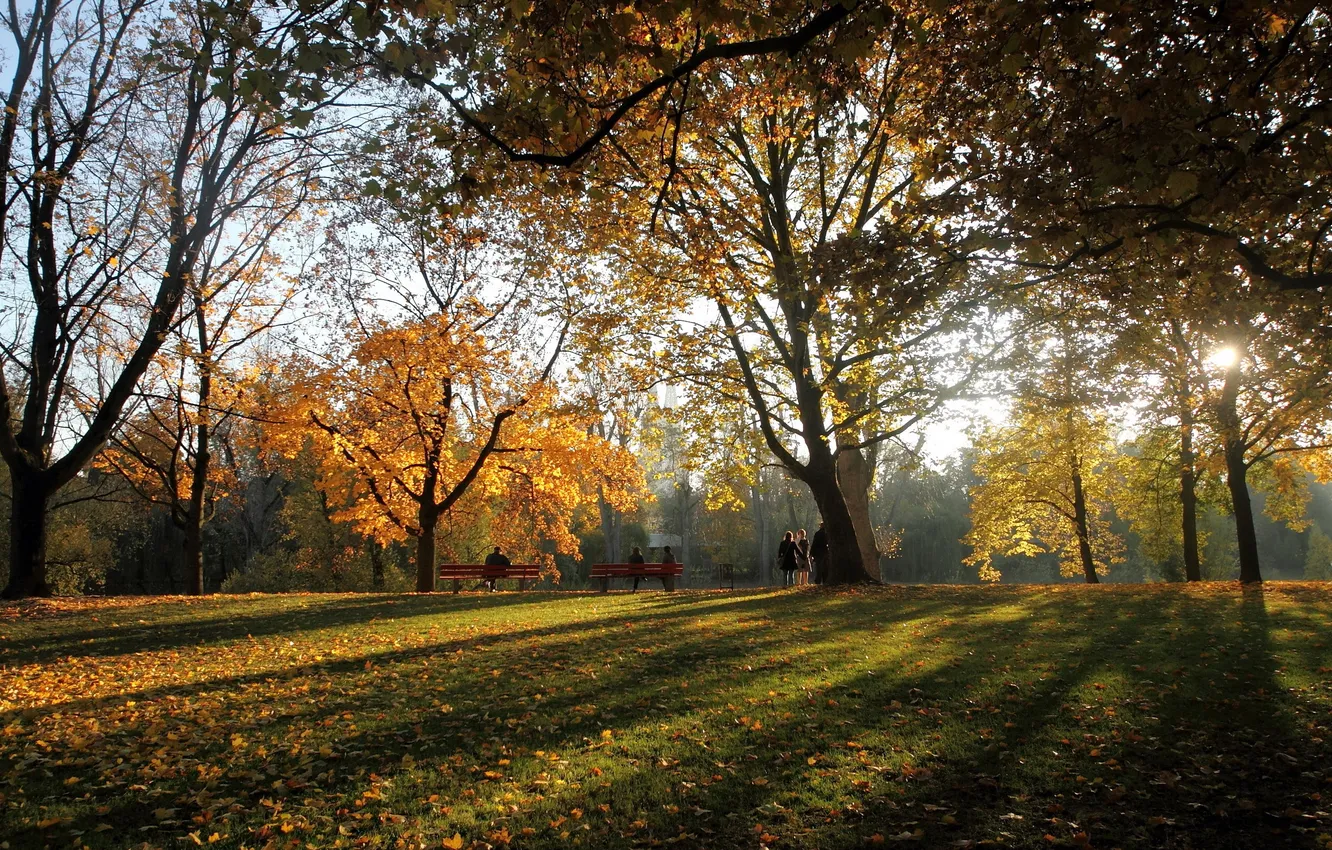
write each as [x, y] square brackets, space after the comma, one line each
[283, 572]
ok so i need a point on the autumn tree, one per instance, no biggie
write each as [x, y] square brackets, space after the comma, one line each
[1163, 339]
[549, 86]
[1270, 406]
[1046, 486]
[106, 206]
[1186, 128]
[767, 220]
[425, 413]
[1048, 475]
[195, 391]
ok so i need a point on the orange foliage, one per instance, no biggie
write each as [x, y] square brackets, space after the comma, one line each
[430, 419]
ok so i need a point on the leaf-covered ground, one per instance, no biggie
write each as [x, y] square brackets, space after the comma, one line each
[930, 717]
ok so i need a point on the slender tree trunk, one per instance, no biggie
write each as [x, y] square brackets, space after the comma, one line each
[617, 536]
[761, 536]
[27, 536]
[1080, 520]
[685, 509]
[854, 477]
[192, 547]
[427, 518]
[610, 549]
[1188, 473]
[376, 565]
[1245, 535]
[194, 512]
[1188, 497]
[1237, 470]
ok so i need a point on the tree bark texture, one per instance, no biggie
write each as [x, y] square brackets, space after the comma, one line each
[855, 477]
[845, 562]
[27, 537]
[1237, 469]
[425, 549]
[1246, 535]
[1188, 499]
[1080, 521]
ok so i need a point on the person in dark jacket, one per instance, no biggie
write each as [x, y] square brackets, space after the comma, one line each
[494, 559]
[636, 557]
[786, 559]
[818, 555]
[802, 557]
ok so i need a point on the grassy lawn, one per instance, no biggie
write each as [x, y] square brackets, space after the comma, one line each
[932, 717]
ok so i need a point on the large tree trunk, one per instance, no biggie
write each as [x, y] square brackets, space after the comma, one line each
[27, 536]
[1188, 498]
[427, 518]
[1237, 470]
[854, 477]
[1080, 521]
[845, 562]
[1245, 534]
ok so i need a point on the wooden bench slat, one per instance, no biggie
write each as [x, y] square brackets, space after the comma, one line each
[598, 570]
[500, 570]
[457, 573]
[666, 572]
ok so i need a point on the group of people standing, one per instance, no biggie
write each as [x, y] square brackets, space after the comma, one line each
[801, 559]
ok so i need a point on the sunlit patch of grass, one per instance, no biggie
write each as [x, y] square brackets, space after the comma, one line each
[1030, 717]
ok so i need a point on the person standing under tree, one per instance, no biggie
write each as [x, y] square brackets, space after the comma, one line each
[818, 554]
[786, 559]
[802, 557]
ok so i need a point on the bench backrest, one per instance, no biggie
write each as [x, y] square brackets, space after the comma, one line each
[524, 571]
[610, 570]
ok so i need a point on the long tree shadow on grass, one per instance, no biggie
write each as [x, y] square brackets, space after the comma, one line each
[126, 631]
[773, 717]
[684, 652]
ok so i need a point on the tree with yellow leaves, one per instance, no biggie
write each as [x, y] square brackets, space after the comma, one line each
[1269, 399]
[1048, 475]
[769, 218]
[1046, 485]
[128, 141]
[194, 391]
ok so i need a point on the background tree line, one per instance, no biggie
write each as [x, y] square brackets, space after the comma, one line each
[344, 288]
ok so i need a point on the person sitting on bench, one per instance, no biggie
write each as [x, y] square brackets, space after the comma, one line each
[494, 559]
[666, 558]
[636, 557]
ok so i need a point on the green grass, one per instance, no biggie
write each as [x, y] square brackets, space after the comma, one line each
[934, 717]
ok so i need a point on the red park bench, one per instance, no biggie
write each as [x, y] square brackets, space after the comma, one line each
[458, 573]
[666, 572]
